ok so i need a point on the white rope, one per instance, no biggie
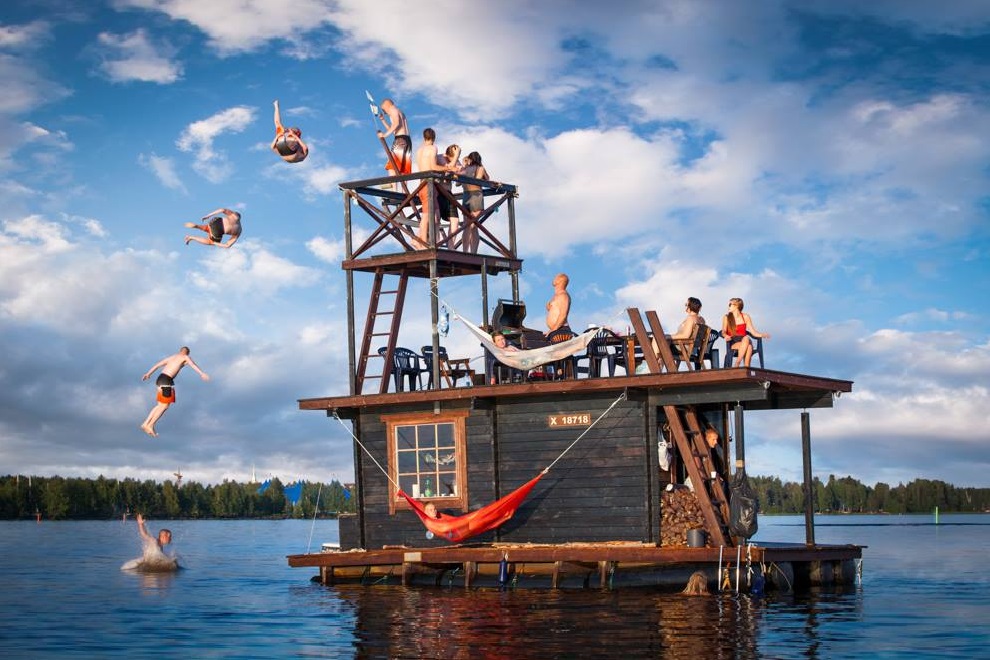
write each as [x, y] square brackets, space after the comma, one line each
[317, 508]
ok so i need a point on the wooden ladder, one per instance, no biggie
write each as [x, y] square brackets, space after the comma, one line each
[687, 433]
[377, 307]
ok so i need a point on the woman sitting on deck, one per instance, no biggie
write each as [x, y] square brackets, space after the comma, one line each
[737, 326]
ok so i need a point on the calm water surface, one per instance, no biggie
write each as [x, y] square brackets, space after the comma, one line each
[925, 592]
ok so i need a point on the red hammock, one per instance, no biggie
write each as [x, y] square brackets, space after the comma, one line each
[457, 528]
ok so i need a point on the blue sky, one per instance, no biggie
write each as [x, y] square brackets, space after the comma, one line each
[826, 162]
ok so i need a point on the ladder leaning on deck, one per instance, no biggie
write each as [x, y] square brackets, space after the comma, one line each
[689, 437]
[378, 306]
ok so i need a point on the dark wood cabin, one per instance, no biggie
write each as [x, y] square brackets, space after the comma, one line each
[465, 443]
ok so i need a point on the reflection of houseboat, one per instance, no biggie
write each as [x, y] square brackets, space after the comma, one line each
[603, 514]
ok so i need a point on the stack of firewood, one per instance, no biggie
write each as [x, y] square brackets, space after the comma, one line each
[679, 512]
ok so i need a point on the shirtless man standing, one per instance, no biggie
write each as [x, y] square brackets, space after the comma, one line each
[226, 222]
[559, 305]
[427, 161]
[399, 129]
[170, 367]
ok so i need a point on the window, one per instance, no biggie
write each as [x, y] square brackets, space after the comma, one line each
[426, 458]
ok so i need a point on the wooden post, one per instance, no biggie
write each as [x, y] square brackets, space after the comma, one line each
[809, 490]
[740, 439]
[351, 357]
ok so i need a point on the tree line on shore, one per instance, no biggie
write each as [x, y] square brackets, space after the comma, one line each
[59, 498]
[848, 495]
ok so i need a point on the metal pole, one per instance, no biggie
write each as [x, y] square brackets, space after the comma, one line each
[514, 275]
[349, 249]
[740, 440]
[435, 316]
[484, 291]
[809, 489]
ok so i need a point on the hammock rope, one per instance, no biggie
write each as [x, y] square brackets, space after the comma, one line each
[488, 517]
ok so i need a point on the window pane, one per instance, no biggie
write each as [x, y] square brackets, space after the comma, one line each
[407, 462]
[445, 435]
[406, 484]
[405, 437]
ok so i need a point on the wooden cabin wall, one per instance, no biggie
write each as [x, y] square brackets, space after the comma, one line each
[599, 491]
[404, 528]
[606, 488]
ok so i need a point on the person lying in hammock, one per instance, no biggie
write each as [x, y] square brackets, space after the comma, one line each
[458, 528]
[288, 141]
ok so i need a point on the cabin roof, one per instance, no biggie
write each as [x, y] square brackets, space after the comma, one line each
[755, 389]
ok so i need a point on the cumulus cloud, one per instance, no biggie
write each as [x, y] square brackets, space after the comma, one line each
[133, 56]
[198, 138]
[250, 270]
[26, 36]
[234, 26]
[25, 86]
[326, 250]
[164, 170]
[88, 322]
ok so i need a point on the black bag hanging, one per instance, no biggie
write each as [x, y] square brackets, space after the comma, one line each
[742, 507]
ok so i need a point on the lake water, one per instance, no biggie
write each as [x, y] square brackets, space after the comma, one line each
[925, 593]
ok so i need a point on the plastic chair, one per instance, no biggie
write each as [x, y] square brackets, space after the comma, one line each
[447, 372]
[730, 354]
[599, 351]
[405, 363]
[564, 368]
[711, 353]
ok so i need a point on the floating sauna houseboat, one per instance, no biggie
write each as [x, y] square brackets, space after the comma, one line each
[610, 510]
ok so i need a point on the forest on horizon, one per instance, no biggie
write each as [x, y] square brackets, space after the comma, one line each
[60, 498]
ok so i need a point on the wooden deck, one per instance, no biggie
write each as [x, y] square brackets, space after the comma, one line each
[600, 565]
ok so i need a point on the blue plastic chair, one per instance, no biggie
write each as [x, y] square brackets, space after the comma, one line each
[598, 352]
[405, 364]
[730, 354]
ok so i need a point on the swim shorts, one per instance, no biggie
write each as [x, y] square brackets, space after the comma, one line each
[166, 388]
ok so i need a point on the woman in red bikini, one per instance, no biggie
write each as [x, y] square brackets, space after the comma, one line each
[737, 327]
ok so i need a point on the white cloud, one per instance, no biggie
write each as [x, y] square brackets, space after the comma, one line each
[250, 270]
[198, 138]
[234, 26]
[132, 56]
[23, 37]
[25, 87]
[164, 170]
[439, 58]
[326, 250]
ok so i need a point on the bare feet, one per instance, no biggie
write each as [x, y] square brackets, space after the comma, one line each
[150, 431]
[188, 238]
[191, 225]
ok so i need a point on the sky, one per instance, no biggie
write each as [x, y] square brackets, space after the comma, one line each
[825, 160]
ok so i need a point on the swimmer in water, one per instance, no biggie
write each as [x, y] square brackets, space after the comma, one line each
[153, 558]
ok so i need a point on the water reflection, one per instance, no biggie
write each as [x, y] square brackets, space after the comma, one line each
[397, 622]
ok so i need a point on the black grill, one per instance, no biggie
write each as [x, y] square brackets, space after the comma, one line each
[508, 318]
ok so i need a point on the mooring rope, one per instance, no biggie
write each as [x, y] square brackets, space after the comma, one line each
[315, 510]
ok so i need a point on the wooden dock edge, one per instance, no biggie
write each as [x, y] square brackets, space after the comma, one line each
[784, 568]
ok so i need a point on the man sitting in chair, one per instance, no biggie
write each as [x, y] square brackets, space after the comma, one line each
[693, 318]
